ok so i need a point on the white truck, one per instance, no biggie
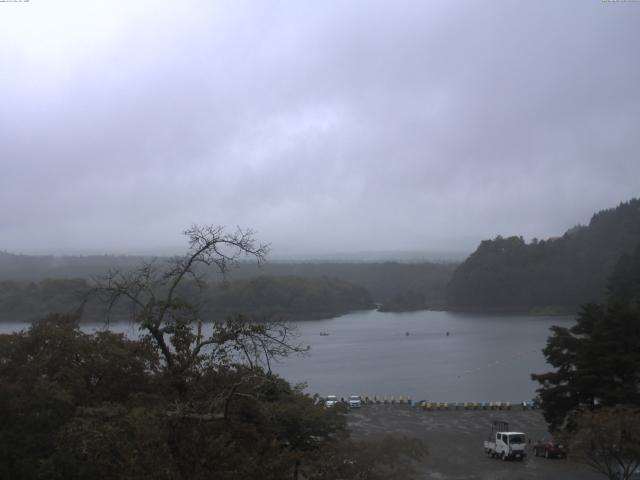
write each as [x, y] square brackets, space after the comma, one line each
[505, 444]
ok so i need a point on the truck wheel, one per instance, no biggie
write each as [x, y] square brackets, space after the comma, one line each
[503, 457]
[546, 454]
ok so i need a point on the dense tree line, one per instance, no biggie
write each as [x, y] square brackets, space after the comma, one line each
[25, 301]
[408, 301]
[383, 280]
[289, 297]
[264, 297]
[34, 268]
[557, 274]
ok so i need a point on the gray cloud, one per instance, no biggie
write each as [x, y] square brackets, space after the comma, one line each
[332, 126]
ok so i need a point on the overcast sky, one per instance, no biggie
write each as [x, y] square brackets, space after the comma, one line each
[326, 126]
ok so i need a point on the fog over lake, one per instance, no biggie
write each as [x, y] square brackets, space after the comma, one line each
[484, 358]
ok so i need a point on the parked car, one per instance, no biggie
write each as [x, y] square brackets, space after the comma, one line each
[550, 448]
[355, 401]
[331, 401]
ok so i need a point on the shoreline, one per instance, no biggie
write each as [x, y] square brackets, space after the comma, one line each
[316, 316]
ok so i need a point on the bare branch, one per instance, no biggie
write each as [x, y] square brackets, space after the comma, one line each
[155, 293]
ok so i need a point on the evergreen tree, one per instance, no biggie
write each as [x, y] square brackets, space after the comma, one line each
[597, 361]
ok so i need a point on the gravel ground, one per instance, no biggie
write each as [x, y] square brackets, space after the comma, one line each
[454, 439]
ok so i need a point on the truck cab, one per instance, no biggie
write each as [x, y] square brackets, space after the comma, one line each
[511, 445]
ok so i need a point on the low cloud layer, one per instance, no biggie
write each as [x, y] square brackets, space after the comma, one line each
[325, 126]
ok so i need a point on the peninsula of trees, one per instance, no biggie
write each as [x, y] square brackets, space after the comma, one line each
[288, 297]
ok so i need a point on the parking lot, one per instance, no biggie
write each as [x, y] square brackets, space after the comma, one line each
[455, 440]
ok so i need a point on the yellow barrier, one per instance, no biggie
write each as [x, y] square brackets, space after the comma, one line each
[429, 406]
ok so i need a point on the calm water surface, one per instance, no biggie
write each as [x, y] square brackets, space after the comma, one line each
[484, 358]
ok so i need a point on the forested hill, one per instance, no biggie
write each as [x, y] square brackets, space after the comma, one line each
[554, 275]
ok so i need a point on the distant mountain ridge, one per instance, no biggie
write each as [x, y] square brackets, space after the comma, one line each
[554, 275]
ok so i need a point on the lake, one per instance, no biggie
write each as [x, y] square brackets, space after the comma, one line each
[484, 358]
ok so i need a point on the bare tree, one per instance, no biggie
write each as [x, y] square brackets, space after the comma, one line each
[161, 304]
[608, 440]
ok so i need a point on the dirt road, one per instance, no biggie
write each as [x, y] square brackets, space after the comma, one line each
[455, 441]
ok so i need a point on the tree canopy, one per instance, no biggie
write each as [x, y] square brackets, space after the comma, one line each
[77, 405]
